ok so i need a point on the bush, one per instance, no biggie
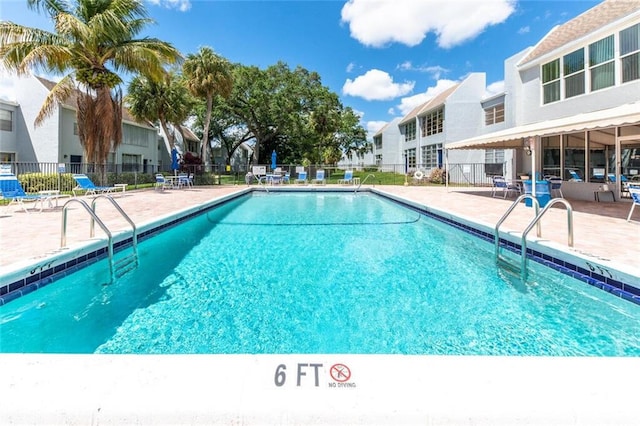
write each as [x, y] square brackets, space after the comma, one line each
[35, 182]
[437, 176]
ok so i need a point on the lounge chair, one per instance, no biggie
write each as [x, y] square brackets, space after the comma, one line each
[634, 192]
[319, 180]
[85, 184]
[12, 190]
[504, 185]
[348, 178]
[302, 178]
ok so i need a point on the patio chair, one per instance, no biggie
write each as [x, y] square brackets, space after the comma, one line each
[162, 183]
[184, 181]
[12, 190]
[555, 185]
[302, 178]
[634, 192]
[502, 184]
[348, 178]
[574, 175]
[85, 184]
[319, 180]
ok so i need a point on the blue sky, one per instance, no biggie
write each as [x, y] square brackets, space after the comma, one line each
[383, 57]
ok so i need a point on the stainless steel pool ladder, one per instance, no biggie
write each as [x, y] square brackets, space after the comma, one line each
[535, 222]
[365, 179]
[122, 266]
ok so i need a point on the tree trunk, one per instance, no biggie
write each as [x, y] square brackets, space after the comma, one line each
[206, 149]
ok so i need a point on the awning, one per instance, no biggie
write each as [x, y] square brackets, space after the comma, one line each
[512, 137]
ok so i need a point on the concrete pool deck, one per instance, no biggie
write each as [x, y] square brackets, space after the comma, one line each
[310, 388]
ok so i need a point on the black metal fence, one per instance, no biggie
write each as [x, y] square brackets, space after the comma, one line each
[58, 176]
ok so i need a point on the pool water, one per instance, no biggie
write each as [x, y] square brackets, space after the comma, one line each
[319, 273]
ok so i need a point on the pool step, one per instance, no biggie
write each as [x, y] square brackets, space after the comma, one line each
[124, 265]
[508, 265]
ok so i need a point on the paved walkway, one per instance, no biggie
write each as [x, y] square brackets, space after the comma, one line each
[600, 229]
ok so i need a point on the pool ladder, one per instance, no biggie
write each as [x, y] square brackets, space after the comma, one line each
[116, 268]
[504, 262]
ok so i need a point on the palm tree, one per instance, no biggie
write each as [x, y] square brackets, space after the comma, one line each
[167, 101]
[94, 40]
[207, 75]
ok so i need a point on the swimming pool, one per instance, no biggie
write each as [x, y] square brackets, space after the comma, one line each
[319, 273]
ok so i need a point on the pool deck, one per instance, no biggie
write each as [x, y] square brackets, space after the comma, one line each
[383, 389]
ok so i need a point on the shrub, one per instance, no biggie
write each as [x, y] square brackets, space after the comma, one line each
[437, 176]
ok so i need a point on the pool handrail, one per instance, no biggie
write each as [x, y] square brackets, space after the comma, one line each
[536, 220]
[365, 179]
[63, 236]
[134, 236]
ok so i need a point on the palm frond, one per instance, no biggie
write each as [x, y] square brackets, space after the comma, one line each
[57, 95]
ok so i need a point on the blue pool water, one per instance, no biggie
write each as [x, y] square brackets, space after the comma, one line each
[319, 273]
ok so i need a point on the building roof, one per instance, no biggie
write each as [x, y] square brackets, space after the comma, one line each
[432, 103]
[189, 135]
[72, 103]
[590, 21]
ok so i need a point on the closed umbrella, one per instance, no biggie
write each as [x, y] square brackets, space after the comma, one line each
[273, 160]
[174, 160]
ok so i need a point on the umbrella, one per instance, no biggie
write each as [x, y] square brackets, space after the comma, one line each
[273, 159]
[174, 160]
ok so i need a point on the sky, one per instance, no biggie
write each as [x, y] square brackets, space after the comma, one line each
[382, 57]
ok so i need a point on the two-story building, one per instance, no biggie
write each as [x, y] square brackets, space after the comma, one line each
[56, 140]
[572, 102]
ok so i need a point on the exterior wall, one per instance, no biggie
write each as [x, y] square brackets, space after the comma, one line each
[69, 143]
[8, 139]
[464, 116]
[391, 142]
[36, 144]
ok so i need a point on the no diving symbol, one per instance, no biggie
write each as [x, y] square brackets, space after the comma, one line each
[340, 372]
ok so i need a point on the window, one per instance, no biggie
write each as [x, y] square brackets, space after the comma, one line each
[6, 120]
[630, 53]
[494, 114]
[75, 129]
[494, 156]
[551, 81]
[433, 123]
[378, 142]
[411, 157]
[410, 131]
[430, 157]
[573, 70]
[130, 162]
[378, 159]
[139, 136]
[601, 63]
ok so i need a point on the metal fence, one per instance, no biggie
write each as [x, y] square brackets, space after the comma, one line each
[58, 176]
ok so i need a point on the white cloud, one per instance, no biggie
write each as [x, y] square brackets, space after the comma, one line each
[409, 21]
[494, 88]
[391, 111]
[350, 67]
[376, 85]
[374, 126]
[181, 5]
[409, 103]
[436, 71]
[524, 30]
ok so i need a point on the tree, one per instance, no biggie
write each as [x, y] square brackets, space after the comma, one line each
[290, 111]
[94, 40]
[167, 101]
[207, 75]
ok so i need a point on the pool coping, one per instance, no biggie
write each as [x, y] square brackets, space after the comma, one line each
[614, 278]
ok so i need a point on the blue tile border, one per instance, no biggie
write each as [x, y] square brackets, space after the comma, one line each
[47, 273]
